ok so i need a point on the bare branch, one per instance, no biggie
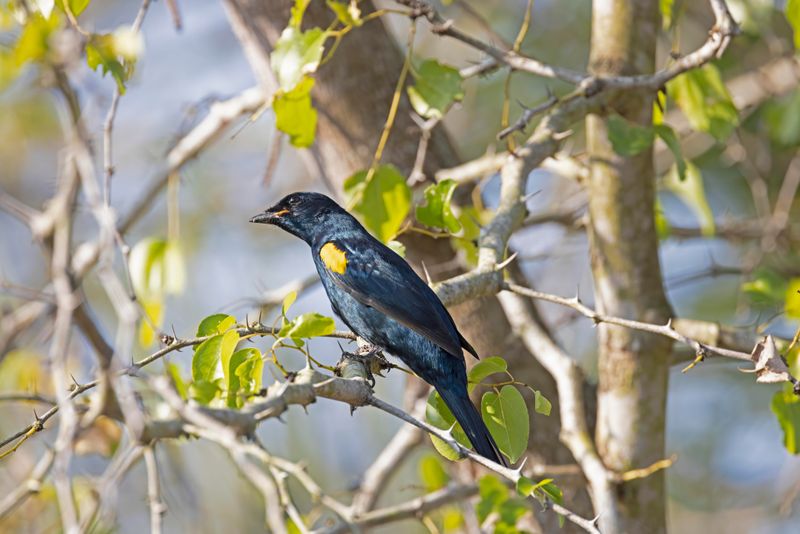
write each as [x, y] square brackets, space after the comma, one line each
[157, 506]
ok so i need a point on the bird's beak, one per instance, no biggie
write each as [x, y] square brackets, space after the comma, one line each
[269, 216]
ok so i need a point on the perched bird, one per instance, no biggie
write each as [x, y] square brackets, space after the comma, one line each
[380, 298]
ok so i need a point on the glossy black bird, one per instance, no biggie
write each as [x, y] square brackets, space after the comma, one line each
[380, 298]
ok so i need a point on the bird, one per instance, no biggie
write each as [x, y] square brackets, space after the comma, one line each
[382, 300]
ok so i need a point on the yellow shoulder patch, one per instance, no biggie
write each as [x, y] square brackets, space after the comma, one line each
[333, 257]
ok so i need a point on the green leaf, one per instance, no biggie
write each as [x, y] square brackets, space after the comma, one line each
[786, 407]
[348, 14]
[766, 288]
[510, 511]
[628, 139]
[665, 6]
[103, 50]
[240, 368]
[219, 323]
[296, 54]
[492, 493]
[76, 7]
[432, 473]
[382, 201]
[469, 218]
[144, 266]
[294, 114]
[288, 300]
[180, 384]
[663, 228]
[156, 267]
[552, 491]
[692, 192]
[793, 16]
[792, 305]
[204, 391]
[397, 247]
[782, 117]
[250, 372]
[437, 212]
[704, 99]
[486, 367]
[308, 325]
[667, 134]
[540, 403]
[506, 417]
[153, 308]
[34, 41]
[439, 415]
[207, 357]
[525, 486]
[298, 10]
[436, 87]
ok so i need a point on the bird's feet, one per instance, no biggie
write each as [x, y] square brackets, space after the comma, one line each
[367, 362]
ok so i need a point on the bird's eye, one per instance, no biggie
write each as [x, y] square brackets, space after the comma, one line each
[293, 201]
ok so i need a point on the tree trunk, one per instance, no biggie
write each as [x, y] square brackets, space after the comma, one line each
[633, 366]
[353, 93]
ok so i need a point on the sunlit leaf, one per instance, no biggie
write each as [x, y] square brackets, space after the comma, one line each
[242, 374]
[437, 212]
[432, 473]
[382, 202]
[156, 267]
[540, 403]
[436, 87]
[628, 138]
[219, 323]
[250, 372]
[439, 415]
[552, 491]
[23, 370]
[397, 247]
[308, 325]
[298, 10]
[702, 96]
[792, 305]
[115, 54]
[294, 114]
[663, 228]
[506, 417]
[177, 380]
[469, 219]
[484, 368]
[288, 300]
[665, 6]
[34, 41]
[296, 54]
[667, 134]
[204, 391]
[348, 13]
[692, 192]
[76, 7]
[793, 16]
[786, 407]
[207, 357]
[153, 308]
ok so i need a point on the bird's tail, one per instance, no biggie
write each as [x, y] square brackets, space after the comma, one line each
[470, 420]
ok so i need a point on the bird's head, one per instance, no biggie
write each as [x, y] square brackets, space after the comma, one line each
[304, 215]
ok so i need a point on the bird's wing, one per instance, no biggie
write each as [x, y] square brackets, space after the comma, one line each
[377, 277]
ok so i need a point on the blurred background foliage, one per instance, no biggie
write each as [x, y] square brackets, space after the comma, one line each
[733, 472]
